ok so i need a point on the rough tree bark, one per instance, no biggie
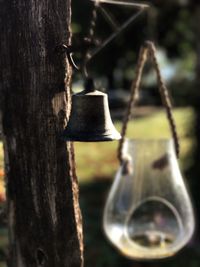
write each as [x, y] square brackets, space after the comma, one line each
[43, 210]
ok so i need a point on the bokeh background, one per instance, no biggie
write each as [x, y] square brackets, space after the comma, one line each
[174, 27]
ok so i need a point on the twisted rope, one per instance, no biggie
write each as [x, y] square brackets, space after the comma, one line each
[148, 51]
[134, 91]
[165, 97]
[91, 36]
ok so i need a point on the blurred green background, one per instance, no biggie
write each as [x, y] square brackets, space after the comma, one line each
[173, 25]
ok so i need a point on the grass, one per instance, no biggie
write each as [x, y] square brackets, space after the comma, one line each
[100, 159]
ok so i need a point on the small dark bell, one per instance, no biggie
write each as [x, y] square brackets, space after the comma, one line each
[90, 119]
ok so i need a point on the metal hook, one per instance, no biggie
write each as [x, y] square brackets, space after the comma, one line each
[90, 46]
[69, 50]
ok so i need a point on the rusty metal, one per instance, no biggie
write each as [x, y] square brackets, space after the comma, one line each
[90, 119]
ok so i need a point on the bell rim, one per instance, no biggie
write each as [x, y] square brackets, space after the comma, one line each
[94, 138]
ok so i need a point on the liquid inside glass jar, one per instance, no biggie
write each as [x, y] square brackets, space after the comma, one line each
[154, 224]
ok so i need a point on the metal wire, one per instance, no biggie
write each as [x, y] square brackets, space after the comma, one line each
[118, 29]
[124, 3]
[115, 34]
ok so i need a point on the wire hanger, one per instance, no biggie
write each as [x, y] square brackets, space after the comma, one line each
[91, 47]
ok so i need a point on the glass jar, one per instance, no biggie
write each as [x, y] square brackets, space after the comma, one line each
[148, 213]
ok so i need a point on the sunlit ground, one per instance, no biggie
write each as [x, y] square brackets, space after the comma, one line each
[98, 161]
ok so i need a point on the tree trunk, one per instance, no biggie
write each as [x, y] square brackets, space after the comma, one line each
[44, 218]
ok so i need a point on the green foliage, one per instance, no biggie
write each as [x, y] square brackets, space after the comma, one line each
[169, 24]
[175, 34]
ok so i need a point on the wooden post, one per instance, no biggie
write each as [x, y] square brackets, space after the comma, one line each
[45, 227]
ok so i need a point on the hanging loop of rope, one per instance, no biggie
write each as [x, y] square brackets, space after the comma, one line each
[148, 51]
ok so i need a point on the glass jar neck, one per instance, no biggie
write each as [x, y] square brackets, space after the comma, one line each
[146, 148]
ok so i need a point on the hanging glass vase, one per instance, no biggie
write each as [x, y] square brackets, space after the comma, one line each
[148, 213]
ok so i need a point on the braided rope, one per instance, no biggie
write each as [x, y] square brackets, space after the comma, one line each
[148, 51]
[134, 91]
[93, 23]
[91, 36]
[165, 98]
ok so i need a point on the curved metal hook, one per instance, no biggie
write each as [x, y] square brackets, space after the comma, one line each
[90, 47]
[68, 50]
